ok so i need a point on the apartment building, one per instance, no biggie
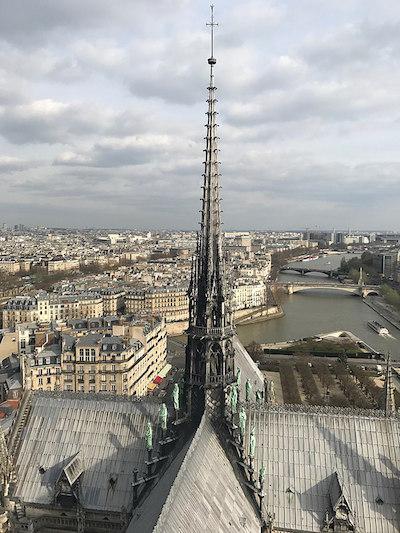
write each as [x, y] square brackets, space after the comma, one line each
[61, 265]
[42, 370]
[19, 309]
[45, 307]
[113, 300]
[123, 361]
[246, 295]
[172, 303]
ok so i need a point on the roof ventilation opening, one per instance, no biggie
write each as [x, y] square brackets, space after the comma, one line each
[289, 490]
[379, 501]
[112, 480]
[42, 470]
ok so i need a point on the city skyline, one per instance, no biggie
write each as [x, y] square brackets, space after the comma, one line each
[100, 116]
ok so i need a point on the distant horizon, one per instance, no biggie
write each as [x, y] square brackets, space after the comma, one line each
[187, 230]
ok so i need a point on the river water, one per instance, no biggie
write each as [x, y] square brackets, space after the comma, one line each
[312, 312]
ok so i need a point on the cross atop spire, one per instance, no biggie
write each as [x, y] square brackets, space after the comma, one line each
[211, 59]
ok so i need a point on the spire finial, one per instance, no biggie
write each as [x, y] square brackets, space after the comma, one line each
[211, 59]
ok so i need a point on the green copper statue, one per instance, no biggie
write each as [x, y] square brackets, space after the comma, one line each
[238, 377]
[261, 475]
[163, 417]
[234, 399]
[149, 437]
[248, 390]
[242, 421]
[259, 397]
[252, 444]
[175, 396]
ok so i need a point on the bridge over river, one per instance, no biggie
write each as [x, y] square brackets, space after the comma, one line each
[331, 273]
[356, 289]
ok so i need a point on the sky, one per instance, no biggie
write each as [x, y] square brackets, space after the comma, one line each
[102, 112]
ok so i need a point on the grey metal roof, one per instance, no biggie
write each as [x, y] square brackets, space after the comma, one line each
[107, 433]
[91, 339]
[145, 517]
[206, 494]
[320, 454]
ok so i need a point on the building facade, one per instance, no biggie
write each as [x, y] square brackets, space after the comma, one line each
[45, 307]
[246, 295]
[171, 303]
[123, 362]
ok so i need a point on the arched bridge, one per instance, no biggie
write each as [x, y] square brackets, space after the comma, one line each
[358, 290]
[303, 270]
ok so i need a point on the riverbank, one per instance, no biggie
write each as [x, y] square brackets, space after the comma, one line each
[259, 314]
[384, 311]
[332, 344]
[241, 317]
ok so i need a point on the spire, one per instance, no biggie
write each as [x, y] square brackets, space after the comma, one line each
[209, 309]
[390, 407]
[209, 353]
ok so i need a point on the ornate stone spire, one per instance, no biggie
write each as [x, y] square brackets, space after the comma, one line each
[390, 407]
[208, 289]
[209, 353]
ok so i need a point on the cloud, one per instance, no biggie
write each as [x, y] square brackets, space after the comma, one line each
[114, 152]
[8, 165]
[50, 121]
[102, 108]
[27, 23]
[355, 46]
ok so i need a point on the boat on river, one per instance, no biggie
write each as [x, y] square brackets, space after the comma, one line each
[381, 330]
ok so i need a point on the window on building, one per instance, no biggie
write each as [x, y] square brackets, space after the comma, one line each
[113, 388]
[103, 386]
[48, 380]
[40, 381]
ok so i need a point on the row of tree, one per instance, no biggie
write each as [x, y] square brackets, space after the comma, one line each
[367, 383]
[309, 384]
[290, 388]
[391, 296]
[351, 390]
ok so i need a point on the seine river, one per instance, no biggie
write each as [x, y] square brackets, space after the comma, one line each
[312, 312]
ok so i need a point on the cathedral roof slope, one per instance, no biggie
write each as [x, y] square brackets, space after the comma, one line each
[107, 433]
[206, 494]
[321, 461]
[249, 369]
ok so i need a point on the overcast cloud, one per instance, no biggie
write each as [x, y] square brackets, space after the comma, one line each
[102, 112]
